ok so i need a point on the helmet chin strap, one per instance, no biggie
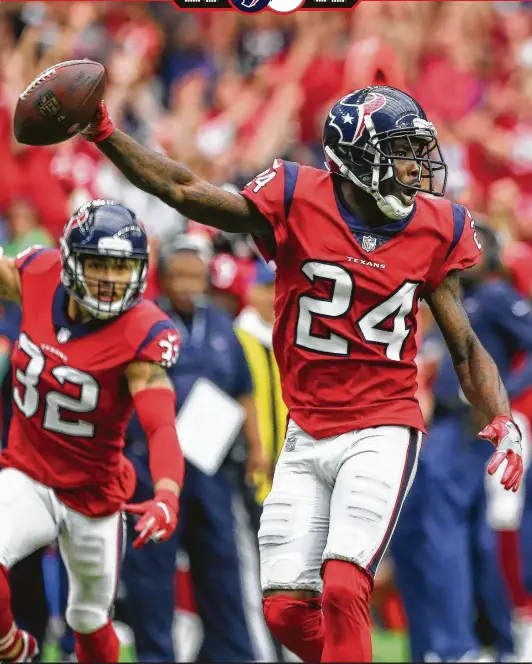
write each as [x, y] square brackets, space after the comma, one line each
[389, 205]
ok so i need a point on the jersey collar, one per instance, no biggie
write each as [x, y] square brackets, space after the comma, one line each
[62, 322]
[358, 226]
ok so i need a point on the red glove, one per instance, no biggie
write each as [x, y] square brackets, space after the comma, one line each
[101, 127]
[158, 517]
[506, 437]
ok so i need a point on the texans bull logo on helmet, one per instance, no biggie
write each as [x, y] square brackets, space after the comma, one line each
[351, 124]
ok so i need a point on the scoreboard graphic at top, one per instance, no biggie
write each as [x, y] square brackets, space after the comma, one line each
[255, 6]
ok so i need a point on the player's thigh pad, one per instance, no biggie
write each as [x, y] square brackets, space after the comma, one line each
[372, 481]
[92, 550]
[27, 516]
[505, 508]
[295, 517]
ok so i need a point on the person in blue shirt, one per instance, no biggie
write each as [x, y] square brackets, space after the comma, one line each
[212, 526]
[444, 548]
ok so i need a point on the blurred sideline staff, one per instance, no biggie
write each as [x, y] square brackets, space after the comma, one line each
[213, 528]
[254, 328]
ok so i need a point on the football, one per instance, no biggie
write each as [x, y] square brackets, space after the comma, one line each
[59, 103]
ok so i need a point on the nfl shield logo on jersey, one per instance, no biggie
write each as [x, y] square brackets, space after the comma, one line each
[369, 243]
[63, 335]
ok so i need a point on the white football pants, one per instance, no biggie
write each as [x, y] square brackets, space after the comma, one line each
[31, 516]
[335, 498]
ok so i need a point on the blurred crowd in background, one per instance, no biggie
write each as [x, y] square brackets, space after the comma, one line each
[226, 93]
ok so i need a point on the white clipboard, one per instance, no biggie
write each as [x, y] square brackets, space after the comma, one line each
[207, 425]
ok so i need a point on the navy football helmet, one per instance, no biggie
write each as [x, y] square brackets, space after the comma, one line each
[359, 138]
[103, 228]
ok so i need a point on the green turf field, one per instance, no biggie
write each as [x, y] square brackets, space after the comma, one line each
[387, 647]
[51, 654]
[390, 647]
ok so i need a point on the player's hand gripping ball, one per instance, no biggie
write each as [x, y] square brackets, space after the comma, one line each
[158, 517]
[100, 127]
[506, 437]
[60, 102]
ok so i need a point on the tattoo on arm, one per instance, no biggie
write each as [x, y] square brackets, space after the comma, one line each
[452, 318]
[146, 169]
[176, 186]
[5, 289]
[158, 377]
[146, 375]
[476, 370]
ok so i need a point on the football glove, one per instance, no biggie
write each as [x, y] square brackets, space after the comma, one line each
[101, 126]
[158, 517]
[506, 437]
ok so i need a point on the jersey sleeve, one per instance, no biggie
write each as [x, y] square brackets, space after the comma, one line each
[464, 250]
[272, 192]
[160, 345]
[36, 266]
[25, 258]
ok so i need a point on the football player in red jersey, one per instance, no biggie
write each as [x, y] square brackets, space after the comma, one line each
[90, 348]
[356, 247]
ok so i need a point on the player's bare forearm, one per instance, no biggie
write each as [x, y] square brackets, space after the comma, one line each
[145, 375]
[251, 425]
[176, 186]
[10, 288]
[478, 374]
[482, 384]
[257, 461]
[148, 170]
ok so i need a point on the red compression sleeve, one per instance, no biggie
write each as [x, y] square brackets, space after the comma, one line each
[156, 412]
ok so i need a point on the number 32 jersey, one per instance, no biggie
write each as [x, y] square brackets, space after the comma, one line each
[347, 295]
[71, 402]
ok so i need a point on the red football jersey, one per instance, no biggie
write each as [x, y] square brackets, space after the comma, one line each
[71, 403]
[347, 296]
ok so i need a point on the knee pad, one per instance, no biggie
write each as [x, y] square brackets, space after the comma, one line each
[86, 619]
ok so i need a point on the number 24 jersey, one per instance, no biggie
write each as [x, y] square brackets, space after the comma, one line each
[346, 297]
[71, 402]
